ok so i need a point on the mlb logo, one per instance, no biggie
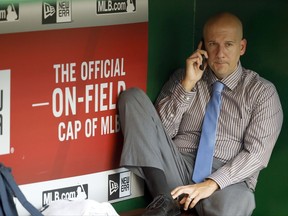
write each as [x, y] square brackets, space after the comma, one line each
[57, 11]
[9, 12]
[119, 185]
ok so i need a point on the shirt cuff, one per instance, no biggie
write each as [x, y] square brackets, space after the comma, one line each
[221, 179]
[182, 95]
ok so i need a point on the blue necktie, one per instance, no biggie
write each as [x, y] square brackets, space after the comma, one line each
[204, 158]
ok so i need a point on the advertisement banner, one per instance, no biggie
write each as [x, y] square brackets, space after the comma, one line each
[64, 88]
[4, 111]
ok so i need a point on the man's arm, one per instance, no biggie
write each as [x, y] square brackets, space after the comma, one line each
[259, 140]
[177, 93]
[173, 102]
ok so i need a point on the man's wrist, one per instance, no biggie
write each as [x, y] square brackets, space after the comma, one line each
[188, 85]
[211, 183]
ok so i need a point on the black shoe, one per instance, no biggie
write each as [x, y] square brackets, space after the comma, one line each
[162, 205]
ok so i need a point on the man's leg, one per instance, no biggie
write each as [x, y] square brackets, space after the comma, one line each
[156, 181]
[236, 200]
[148, 151]
[146, 143]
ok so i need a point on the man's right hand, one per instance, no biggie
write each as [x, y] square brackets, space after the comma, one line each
[193, 72]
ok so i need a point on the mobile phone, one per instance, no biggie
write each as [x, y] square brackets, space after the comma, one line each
[203, 62]
[203, 56]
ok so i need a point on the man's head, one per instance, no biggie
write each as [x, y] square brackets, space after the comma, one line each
[224, 43]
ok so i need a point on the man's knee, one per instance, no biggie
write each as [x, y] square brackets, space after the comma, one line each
[236, 200]
[129, 94]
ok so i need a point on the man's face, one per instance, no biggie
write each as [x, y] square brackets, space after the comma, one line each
[224, 46]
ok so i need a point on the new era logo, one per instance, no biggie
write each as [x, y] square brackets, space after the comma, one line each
[113, 187]
[57, 11]
[119, 185]
[48, 10]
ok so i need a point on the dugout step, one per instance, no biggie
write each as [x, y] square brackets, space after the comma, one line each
[139, 212]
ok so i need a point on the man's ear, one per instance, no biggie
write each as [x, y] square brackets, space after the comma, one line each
[243, 45]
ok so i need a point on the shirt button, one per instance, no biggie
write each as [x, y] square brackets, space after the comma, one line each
[171, 115]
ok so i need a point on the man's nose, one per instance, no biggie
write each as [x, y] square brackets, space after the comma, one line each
[220, 51]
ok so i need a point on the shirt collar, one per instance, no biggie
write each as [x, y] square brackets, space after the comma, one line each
[231, 81]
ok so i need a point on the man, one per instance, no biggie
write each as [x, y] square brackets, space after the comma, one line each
[163, 150]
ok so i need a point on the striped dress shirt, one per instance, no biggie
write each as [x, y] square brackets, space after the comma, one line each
[249, 123]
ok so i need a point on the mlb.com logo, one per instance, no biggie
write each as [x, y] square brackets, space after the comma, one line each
[115, 6]
[56, 11]
[119, 185]
[77, 192]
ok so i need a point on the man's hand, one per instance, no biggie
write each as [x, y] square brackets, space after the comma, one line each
[193, 72]
[195, 192]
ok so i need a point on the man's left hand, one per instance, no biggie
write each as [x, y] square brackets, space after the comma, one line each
[195, 192]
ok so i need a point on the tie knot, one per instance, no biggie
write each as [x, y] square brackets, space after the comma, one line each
[218, 86]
